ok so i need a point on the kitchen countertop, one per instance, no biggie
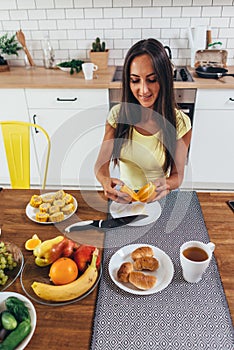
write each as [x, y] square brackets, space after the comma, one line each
[41, 78]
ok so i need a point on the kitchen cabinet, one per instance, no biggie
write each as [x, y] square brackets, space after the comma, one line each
[212, 153]
[75, 121]
[12, 107]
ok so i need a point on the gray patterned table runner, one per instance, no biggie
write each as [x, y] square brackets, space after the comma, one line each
[183, 316]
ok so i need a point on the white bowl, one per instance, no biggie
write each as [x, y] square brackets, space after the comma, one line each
[31, 309]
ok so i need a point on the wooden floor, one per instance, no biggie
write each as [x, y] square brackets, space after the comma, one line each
[219, 220]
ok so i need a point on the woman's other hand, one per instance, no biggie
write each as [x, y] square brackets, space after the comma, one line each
[162, 188]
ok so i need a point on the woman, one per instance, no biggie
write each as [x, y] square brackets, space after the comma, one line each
[146, 135]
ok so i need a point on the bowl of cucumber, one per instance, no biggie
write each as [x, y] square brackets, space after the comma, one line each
[18, 320]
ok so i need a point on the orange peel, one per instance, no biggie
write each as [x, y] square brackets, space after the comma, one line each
[32, 243]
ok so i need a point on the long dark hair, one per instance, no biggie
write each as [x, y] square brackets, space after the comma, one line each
[164, 104]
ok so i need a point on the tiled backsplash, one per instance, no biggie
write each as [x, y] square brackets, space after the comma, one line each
[72, 25]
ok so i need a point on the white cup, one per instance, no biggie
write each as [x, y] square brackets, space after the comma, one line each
[193, 270]
[88, 69]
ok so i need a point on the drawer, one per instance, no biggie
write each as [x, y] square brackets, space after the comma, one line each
[66, 98]
[215, 99]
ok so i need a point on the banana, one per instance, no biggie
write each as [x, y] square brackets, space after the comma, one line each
[71, 290]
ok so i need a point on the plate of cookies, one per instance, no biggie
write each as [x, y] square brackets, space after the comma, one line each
[141, 269]
[51, 207]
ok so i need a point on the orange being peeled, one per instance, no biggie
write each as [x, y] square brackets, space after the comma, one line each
[33, 242]
[64, 270]
[130, 192]
[147, 192]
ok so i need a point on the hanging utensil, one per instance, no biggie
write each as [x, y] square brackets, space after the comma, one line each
[212, 72]
[21, 38]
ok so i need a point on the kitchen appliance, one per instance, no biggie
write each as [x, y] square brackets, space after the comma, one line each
[102, 224]
[212, 72]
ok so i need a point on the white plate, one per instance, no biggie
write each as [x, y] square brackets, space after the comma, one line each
[31, 309]
[64, 69]
[153, 210]
[164, 273]
[31, 211]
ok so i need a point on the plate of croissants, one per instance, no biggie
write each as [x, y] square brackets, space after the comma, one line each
[141, 269]
[51, 207]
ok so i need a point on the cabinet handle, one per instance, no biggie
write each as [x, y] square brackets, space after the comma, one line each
[34, 122]
[66, 99]
[231, 99]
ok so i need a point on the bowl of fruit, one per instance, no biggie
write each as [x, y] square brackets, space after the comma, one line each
[61, 271]
[11, 263]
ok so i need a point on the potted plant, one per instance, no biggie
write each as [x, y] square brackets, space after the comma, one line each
[99, 54]
[8, 46]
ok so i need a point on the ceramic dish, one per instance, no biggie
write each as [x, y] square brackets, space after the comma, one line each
[153, 210]
[31, 272]
[164, 273]
[65, 69]
[31, 212]
[32, 312]
[19, 258]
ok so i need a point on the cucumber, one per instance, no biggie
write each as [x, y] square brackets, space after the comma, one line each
[8, 321]
[16, 336]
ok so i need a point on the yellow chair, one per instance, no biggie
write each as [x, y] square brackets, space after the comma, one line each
[16, 137]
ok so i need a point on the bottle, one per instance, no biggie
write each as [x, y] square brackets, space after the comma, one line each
[49, 58]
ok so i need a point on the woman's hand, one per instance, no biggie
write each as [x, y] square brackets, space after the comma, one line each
[162, 188]
[110, 186]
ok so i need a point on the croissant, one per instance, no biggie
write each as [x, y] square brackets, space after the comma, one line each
[141, 280]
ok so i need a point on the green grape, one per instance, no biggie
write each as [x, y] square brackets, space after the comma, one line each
[7, 262]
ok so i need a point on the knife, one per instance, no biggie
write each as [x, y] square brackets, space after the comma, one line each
[103, 224]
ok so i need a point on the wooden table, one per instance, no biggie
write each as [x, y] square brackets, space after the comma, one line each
[70, 326]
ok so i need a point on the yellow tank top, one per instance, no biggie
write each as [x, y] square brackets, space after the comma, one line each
[142, 158]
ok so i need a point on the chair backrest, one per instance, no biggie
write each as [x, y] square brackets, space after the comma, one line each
[16, 137]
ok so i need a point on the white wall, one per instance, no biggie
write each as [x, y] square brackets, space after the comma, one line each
[73, 24]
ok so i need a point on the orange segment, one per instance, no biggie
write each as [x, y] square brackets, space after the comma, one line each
[146, 193]
[32, 243]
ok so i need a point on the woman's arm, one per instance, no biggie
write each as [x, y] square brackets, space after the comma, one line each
[165, 185]
[102, 167]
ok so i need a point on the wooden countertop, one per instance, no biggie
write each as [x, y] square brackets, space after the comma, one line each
[41, 78]
[70, 325]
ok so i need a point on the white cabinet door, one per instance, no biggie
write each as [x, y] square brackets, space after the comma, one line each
[12, 107]
[212, 152]
[76, 135]
[75, 141]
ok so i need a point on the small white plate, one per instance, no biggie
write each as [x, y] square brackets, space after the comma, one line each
[153, 210]
[65, 69]
[31, 212]
[31, 309]
[164, 273]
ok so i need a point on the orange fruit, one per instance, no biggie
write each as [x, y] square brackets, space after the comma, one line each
[147, 192]
[33, 242]
[64, 270]
[130, 192]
